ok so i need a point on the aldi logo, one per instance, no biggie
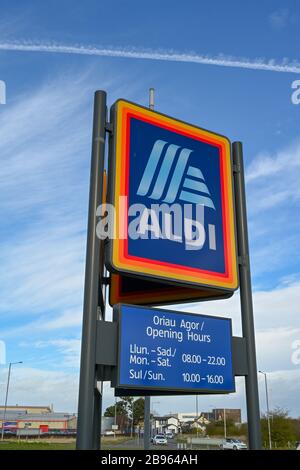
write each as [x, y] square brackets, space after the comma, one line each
[171, 186]
[194, 189]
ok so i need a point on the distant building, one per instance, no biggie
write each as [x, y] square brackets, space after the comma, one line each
[185, 421]
[107, 423]
[161, 424]
[28, 409]
[36, 420]
[232, 414]
[185, 417]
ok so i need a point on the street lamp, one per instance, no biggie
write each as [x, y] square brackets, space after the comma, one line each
[225, 427]
[197, 414]
[6, 396]
[152, 414]
[115, 416]
[268, 411]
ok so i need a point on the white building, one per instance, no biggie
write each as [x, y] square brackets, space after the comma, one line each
[161, 424]
[185, 417]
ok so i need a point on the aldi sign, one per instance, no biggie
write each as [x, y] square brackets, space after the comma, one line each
[170, 184]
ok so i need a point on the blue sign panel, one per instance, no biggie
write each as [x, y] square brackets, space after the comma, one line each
[172, 168]
[167, 350]
[171, 188]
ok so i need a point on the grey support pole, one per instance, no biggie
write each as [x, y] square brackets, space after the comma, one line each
[268, 408]
[147, 424]
[147, 406]
[89, 406]
[254, 430]
[97, 418]
[5, 405]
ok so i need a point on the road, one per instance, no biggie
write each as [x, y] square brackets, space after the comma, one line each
[139, 444]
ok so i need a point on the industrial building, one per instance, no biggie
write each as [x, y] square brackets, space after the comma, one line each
[41, 420]
[28, 409]
[36, 420]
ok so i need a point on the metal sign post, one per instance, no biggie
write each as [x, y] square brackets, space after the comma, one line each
[252, 397]
[160, 142]
[90, 399]
[147, 422]
[147, 402]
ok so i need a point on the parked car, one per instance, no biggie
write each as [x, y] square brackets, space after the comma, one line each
[160, 439]
[233, 444]
[169, 434]
[109, 433]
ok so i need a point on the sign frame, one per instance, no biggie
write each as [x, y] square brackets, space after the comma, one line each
[94, 354]
[117, 316]
[116, 258]
[167, 295]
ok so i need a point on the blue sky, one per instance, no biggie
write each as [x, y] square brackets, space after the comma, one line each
[45, 134]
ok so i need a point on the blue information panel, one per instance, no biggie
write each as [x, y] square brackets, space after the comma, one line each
[167, 350]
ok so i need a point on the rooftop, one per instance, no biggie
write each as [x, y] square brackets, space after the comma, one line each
[23, 416]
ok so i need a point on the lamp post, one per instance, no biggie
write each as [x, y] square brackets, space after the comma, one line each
[147, 402]
[152, 414]
[197, 414]
[6, 396]
[115, 416]
[225, 427]
[268, 410]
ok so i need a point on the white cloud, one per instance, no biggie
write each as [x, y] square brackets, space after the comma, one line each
[31, 386]
[44, 270]
[273, 179]
[279, 19]
[45, 324]
[67, 349]
[43, 198]
[274, 348]
[135, 53]
[268, 165]
[273, 196]
[276, 308]
[39, 165]
[283, 387]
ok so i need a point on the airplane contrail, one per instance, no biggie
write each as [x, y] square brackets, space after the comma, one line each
[133, 53]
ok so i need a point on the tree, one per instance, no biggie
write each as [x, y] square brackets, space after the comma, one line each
[120, 411]
[296, 426]
[138, 410]
[216, 428]
[282, 428]
[128, 404]
[129, 408]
